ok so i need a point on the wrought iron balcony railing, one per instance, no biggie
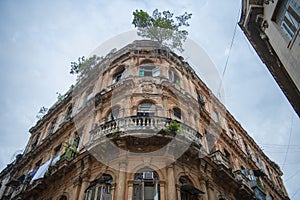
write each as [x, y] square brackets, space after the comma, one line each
[137, 125]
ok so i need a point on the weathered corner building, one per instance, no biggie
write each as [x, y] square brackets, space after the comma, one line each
[98, 142]
[272, 27]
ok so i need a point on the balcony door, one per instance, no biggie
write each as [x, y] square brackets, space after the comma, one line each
[146, 186]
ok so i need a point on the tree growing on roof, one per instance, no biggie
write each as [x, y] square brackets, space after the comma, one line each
[162, 27]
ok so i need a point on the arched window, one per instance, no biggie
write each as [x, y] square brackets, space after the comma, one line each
[52, 126]
[118, 75]
[113, 114]
[146, 186]
[227, 155]
[36, 140]
[210, 140]
[88, 95]
[201, 98]
[69, 113]
[173, 76]
[148, 68]
[177, 113]
[188, 190]
[100, 189]
[233, 135]
[146, 109]
[216, 117]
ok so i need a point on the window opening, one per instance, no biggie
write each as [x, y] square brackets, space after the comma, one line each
[288, 17]
[149, 69]
[118, 75]
[188, 190]
[146, 186]
[100, 189]
[177, 113]
[146, 109]
[174, 77]
[69, 113]
[113, 114]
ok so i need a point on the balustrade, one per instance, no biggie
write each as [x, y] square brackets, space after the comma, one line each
[142, 125]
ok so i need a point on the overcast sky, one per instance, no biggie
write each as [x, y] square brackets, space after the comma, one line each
[39, 39]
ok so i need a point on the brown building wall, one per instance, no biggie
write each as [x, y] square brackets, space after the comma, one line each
[212, 173]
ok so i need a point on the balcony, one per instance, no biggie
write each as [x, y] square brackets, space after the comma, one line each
[245, 191]
[258, 190]
[241, 178]
[218, 158]
[17, 191]
[144, 127]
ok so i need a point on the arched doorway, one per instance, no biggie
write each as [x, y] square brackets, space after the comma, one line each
[146, 185]
[188, 190]
[100, 189]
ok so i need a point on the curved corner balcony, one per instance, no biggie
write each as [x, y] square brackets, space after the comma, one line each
[153, 130]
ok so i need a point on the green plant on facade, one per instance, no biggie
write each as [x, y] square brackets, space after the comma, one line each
[260, 185]
[84, 66]
[70, 151]
[162, 27]
[172, 129]
[43, 111]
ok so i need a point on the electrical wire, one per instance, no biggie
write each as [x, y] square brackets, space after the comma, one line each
[289, 141]
[282, 151]
[297, 145]
[296, 192]
[227, 59]
[292, 176]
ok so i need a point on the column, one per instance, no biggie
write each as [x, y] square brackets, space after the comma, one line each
[165, 106]
[121, 182]
[77, 186]
[203, 189]
[171, 183]
[211, 193]
[130, 190]
[162, 190]
[178, 189]
[113, 191]
[84, 185]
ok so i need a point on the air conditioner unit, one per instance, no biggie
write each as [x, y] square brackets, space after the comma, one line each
[148, 175]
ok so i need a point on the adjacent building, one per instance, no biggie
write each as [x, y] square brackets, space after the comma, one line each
[272, 27]
[141, 125]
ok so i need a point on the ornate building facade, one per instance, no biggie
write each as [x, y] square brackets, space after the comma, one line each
[141, 125]
[272, 27]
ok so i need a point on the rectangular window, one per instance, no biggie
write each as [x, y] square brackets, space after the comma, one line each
[288, 17]
[118, 75]
[174, 77]
[89, 95]
[216, 117]
[149, 69]
[56, 155]
[201, 98]
[52, 127]
[69, 113]
[156, 72]
[210, 139]
[36, 140]
[142, 72]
